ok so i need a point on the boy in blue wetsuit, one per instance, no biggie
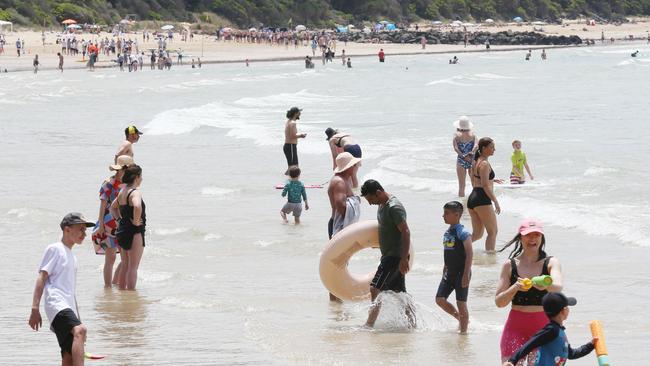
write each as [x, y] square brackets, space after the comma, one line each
[296, 193]
[551, 342]
[458, 253]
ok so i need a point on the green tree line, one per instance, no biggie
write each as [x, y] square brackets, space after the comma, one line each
[247, 13]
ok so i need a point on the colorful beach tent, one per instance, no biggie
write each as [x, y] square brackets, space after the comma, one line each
[518, 19]
[390, 26]
[342, 29]
[167, 27]
[300, 28]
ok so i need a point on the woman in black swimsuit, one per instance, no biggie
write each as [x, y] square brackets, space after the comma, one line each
[342, 142]
[480, 200]
[129, 208]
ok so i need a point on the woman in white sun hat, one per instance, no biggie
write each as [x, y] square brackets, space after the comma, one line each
[465, 144]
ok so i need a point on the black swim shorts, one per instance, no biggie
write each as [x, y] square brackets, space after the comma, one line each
[452, 282]
[62, 325]
[388, 276]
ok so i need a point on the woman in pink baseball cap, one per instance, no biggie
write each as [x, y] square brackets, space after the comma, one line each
[526, 260]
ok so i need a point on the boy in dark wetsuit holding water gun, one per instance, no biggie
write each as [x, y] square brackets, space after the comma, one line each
[551, 342]
[457, 271]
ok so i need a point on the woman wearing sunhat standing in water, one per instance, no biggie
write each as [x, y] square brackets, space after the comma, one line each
[527, 260]
[104, 233]
[465, 144]
[342, 142]
[291, 137]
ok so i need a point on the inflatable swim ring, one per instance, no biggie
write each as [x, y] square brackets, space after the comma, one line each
[334, 260]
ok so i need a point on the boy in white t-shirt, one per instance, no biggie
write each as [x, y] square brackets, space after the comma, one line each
[57, 277]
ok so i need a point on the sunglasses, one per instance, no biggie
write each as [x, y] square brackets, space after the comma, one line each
[462, 130]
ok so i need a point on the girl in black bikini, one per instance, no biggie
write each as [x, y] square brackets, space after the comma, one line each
[480, 200]
[129, 208]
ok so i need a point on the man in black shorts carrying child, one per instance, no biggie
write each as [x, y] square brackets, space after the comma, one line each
[456, 274]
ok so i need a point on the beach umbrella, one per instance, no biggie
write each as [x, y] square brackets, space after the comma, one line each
[167, 27]
[384, 22]
[518, 19]
[252, 30]
[69, 21]
[436, 22]
[489, 20]
[300, 28]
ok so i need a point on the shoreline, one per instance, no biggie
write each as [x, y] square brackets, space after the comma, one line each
[231, 51]
[448, 50]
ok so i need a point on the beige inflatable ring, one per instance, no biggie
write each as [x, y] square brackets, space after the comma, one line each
[334, 260]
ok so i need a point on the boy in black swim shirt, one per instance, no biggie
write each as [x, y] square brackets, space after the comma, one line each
[551, 343]
[457, 243]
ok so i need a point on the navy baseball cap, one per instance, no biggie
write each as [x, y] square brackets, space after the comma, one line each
[554, 302]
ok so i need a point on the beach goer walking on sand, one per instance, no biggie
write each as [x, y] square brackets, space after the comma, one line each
[480, 200]
[394, 244]
[36, 63]
[60, 61]
[543, 54]
[457, 271]
[104, 232]
[343, 57]
[343, 142]
[129, 208]
[423, 42]
[295, 192]
[519, 163]
[529, 55]
[465, 144]
[57, 280]
[132, 135]
[18, 45]
[291, 137]
[550, 344]
[382, 55]
[527, 260]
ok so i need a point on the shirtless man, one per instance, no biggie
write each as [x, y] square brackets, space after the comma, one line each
[291, 137]
[132, 136]
[345, 205]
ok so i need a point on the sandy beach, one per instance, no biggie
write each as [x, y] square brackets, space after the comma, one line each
[211, 51]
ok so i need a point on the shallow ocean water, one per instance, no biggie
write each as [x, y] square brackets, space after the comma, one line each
[223, 281]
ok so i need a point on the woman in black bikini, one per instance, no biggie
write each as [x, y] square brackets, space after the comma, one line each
[480, 200]
[342, 142]
[129, 208]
